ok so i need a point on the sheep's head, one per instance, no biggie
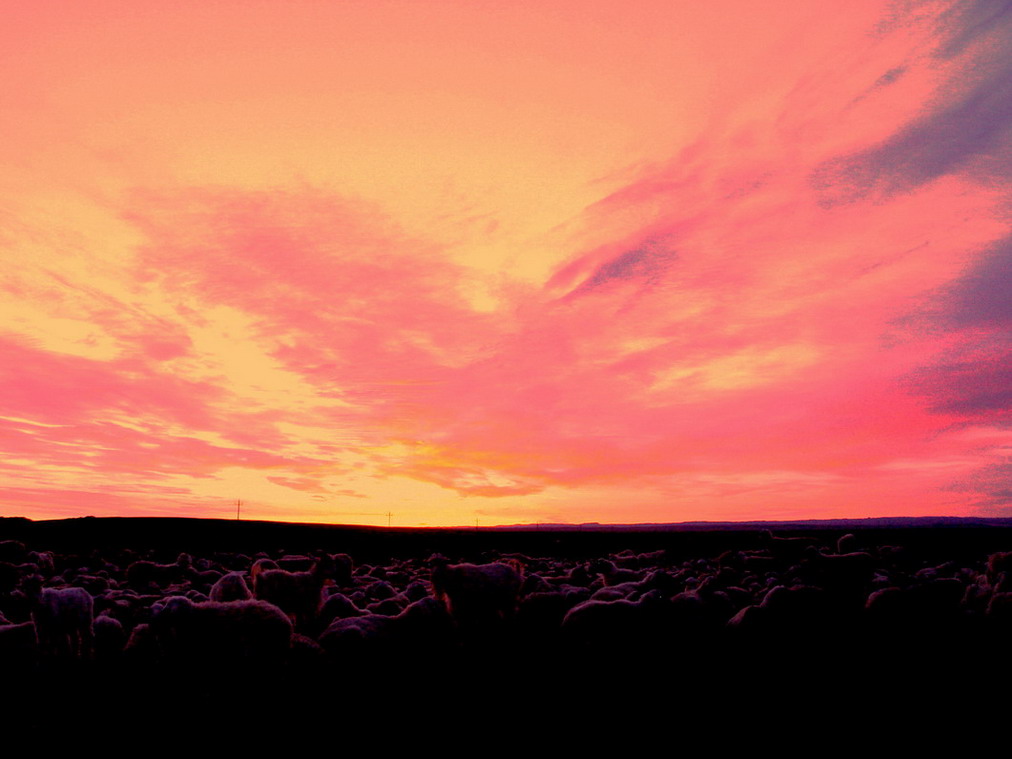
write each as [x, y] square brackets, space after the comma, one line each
[654, 600]
[439, 575]
[325, 566]
[812, 553]
[31, 586]
[344, 568]
[580, 574]
[170, 610]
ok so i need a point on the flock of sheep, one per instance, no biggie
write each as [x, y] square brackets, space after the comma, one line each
[785, 607]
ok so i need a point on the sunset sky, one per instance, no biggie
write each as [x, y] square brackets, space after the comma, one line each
[513, 262]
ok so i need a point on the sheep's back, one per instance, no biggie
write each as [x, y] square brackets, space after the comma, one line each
[64, 606]
[294, 592]
[476, 589]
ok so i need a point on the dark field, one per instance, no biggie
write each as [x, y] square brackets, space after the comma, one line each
[472, 630]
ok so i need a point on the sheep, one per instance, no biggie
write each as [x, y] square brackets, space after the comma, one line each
[477, 594]
[787, 550]
[299, 594]
[380, 590]
[786, 616]
[338, 606]
[622, 627]
[222, 632]
[581, 575]
[535, 583]
[633, 589]
[63, 618]
[142, 645]
[261, 565]
[847, 575]
[230, 587]
[344, 569]
[296, 563]
[94, 584]
[424, 625]
[998, 563]
[203, 579]
[847, 543]
[416, 590]
[13, 551]
[145, 574]
[613, 575]
[110, 637]
[305, 652]
[44, 561]
[630, 560]
[388, 607]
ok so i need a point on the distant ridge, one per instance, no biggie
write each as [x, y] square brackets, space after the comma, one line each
[829, 524]
[171, 535]
[761, 524]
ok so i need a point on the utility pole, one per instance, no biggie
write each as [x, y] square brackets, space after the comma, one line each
[389, 515]
[238, 505]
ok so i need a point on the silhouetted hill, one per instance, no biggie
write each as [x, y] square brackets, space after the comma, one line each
[171, 535]
[835, 524]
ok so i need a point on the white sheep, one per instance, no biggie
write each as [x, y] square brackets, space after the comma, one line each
[613, 575]
[63, 618]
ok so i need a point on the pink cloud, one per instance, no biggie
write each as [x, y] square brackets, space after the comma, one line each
[797, 306]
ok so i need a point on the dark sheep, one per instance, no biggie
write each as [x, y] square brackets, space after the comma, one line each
[477, 594]
[227, 632]
[230, 587]
[299, 594]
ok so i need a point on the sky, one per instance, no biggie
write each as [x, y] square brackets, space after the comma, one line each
[481, 262]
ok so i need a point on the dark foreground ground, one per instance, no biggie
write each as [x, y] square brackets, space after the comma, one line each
[912, 632]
